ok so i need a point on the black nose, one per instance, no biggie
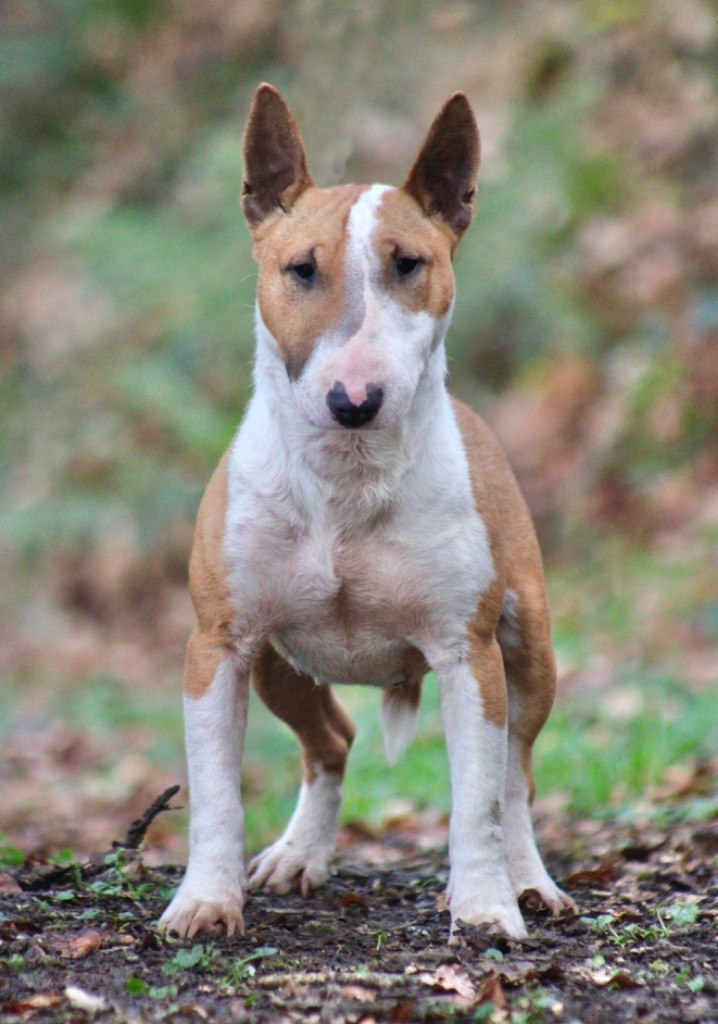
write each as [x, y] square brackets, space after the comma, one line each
[349, 415]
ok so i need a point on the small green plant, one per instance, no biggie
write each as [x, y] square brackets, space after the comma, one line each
[683, 977]
[137, 987]
[380, 941]
[244, 968]
[120, 880]
[10, 856]
[64, 895]
[89, 914]
[198, 958]
[535, 1007]
[493, 954]
[680, 915]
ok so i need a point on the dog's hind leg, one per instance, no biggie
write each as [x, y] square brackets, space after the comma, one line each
[325, 733]
[525, 640]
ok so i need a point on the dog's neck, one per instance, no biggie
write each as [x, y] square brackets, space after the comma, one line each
[362, 469]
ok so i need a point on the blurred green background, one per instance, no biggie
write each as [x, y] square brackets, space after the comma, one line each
[586, 332]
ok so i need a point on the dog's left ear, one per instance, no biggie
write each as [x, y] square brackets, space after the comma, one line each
[275, 165]
[443, 178]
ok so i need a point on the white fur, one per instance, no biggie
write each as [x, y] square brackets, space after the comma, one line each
[212, 888]
[480, 891]
[348, 549]
[526, 869]
[308, 843]
[398, 725]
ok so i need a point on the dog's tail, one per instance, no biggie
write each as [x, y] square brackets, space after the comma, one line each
[399, 708]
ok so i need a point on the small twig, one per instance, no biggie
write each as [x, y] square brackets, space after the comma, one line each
[372, 979]
[136, 831]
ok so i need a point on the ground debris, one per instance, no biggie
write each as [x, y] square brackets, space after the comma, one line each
[372, 944]
[137, 830]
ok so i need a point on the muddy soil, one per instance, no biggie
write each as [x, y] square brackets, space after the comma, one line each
[78, 942]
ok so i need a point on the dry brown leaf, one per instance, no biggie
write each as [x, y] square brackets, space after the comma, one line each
[40, 1001]
[605, 978]
[8, 883]
[358, 992]
[491, 991]
[76, 947]
[606, 871]
[448, 978]
[402, 1013]
[351, 899]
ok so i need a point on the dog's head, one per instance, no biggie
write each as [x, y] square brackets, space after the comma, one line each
[355, 285]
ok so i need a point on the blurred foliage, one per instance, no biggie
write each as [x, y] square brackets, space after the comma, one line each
[586, 324]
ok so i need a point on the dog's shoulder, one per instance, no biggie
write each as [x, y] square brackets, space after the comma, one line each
[496, 493]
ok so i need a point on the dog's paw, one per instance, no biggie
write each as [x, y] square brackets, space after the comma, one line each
[286, 865]
[193, 911]
[497, 912]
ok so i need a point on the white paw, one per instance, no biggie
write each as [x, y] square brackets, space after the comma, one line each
[209, 909]
[495, 908]
[288, 863]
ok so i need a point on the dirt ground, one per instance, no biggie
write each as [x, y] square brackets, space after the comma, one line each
[77, 940]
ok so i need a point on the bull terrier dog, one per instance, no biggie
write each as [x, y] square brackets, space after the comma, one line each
[363, 527]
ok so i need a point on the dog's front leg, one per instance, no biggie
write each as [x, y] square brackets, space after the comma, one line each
[211, 895]
[473, 703]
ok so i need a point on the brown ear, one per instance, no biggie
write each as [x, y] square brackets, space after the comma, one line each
[443, 177]
[275, 166]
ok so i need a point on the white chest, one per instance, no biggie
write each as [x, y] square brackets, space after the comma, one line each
[348, 586]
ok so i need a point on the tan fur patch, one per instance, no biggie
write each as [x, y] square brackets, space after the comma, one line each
[530, 666]
[403, 229]
[211, 640]
[316, 227]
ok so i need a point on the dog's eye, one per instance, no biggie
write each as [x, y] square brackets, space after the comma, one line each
[406, 265]
[306, 272]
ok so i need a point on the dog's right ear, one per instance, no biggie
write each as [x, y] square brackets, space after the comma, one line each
[275, 165]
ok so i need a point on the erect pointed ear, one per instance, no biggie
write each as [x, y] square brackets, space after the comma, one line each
[443, 177]
[275, 166]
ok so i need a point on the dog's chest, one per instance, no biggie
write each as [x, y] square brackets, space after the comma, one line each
[352, 578]
[352, 609]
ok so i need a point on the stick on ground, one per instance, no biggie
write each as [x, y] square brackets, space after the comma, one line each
[136, 831]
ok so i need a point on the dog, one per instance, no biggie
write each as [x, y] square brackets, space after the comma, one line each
[363, 527]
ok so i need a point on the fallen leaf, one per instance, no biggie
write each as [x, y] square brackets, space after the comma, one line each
[402, 1013]
[76, 947]
[491, 991]
[448, 979]
[614, 979]
[351, 899]
[8, 883]
[605, 871]
[531, 899]
[40, 1001]
[83, 1000]
[358, 992]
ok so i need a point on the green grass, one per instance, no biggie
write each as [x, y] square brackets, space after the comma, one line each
[601, 763]
[600, 753]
